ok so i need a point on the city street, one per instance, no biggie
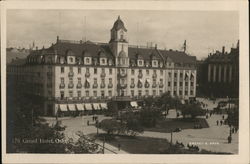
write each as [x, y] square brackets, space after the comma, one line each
[213, 138]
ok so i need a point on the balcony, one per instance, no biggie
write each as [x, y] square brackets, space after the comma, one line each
[132, 85]
[154, 76]
[95, 85]
[87, 74]
[110, 85]
[121, 86]
[102, 85]
[154, 85]
[140, 75]
[103, 74]
[62, 86]
[79, 85]
[121, 75]
[161, 85]
[71, 74]
[70, 85]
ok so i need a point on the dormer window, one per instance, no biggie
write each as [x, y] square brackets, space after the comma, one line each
[71, 59]
[140, 62]
[87, 60]
[103, 61]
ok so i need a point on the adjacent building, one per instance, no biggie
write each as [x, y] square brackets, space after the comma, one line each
[219, 74]
[78, 75]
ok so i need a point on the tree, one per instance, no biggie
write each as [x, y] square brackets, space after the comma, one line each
[149, 116]
[193, 110]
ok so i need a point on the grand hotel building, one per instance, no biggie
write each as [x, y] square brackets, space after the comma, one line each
[77, 75]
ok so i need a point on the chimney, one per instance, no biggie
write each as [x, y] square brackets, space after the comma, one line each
[155, 46]
[223, 49]
[57, 38]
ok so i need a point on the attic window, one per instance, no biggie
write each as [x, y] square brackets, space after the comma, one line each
[103, 61]
[71, 59]
[87, 60]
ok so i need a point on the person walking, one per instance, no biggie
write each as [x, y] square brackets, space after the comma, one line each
[221, 122]
[119, 146]
[217, 122]
[229, 138]
[223, 117]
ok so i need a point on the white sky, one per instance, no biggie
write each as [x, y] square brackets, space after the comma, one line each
[204, 31]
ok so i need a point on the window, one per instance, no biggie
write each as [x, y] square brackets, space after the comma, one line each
[132, 71]
[155, 63]
[87, 60]
[87, 93]
[169, 83]
[181, 75]
[102, 93]
[180, 83]
[70, 93]
[154, 92]
[110, 80]
[147, 92]
[62, 69]
[132, 81]
[161, 92]
[87, 70]
[147, 72]
[110, 93]
[71, 69]
[62, 80]
[121, 36]
[139, 93]
[140, 71]
[62, 94]
[79, 94]
[161, 72]
[110, 71]
[95, 93]
[140, 62]
[154, 71]
[186, 83]
[103, 70]
[175, 74]
[191, 92]
[95, 70]
[169, 74]
[95, 80]
[192, 83]
[175, 93]
[103, 61]
[186, 93]
[79, 80]
[132, 93]
[180, 92]
[103, 80]
[70, 80]
[122, 81]
[79, 70]
[161, 81]
[71, 59]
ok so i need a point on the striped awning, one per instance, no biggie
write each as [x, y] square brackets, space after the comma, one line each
[88, 106]
[104, 105]
[71, 107]
[96, 106]
[63, 107]
[133, 104]
[80, 107]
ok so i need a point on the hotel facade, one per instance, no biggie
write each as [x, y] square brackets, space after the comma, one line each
[80, 76]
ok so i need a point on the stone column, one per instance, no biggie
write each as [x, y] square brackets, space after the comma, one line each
[209, 72]
[219, 73]
[230, 73]
[225, 73]
[214, 78]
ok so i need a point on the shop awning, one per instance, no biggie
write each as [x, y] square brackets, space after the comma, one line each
[88, 106]
[104, 105]
[63, 107]
[133, 104]
[96, 106]
[80, 107]
[71, 107]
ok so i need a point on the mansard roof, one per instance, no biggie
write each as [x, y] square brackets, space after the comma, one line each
[178, 56]
[144, 53]
[80, 49]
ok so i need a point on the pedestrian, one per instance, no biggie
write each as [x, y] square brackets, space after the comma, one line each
[206, 116]
[93, 118]
[210, 113]
[119, 146]
[223, 117]
[217, 122]
[221, 122]
[88, 122]
[232, 130]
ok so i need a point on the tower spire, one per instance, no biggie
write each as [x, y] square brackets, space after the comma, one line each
[185, 46]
